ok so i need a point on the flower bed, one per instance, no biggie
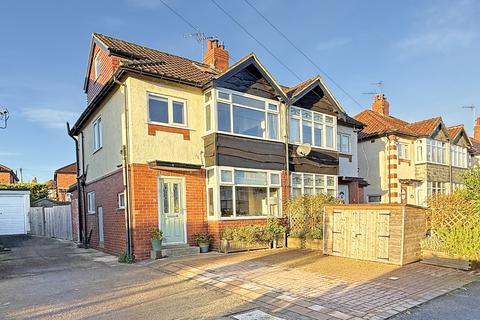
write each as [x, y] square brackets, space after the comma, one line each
[443, 259]
[228, 246]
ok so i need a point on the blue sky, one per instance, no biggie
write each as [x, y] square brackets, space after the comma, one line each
[426, 53]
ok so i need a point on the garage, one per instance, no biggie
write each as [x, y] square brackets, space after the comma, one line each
[389, 233]
[14, 207]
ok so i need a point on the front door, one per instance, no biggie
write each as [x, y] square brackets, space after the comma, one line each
[172, 209]
[343, 193]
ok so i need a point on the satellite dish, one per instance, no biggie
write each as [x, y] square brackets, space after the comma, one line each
[304, 150]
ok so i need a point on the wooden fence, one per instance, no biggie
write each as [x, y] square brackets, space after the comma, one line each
[54, 222]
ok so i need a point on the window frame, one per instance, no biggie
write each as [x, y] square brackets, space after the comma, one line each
[458, 156]
[313, 186]
[170, 101]
[90, 202]
[97, 65]
[313, 122]
[403, 151]
[374, 195]
[215, 99]
[339, 142]
[97, 128]
[119, 195]
[215, 183]
[431, 148]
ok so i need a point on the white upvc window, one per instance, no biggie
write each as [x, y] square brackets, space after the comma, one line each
[403, 150]
[434, 187]
[91, 207]
[310, 184]
[432, 151]
[459, 156]
[242, 114]
[97, 65]
[121, 200]
[167, 110]
[237, 193]
[343, 143]
[314, 128]
[97, 134]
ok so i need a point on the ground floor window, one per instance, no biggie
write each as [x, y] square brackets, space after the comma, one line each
[309, 184]
[425, 189]
[243, 193]
[434, 187]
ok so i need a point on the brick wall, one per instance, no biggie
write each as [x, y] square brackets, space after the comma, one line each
[108, 66]
[106, 195]
[6, 177]
[144, 181]
[63, 182]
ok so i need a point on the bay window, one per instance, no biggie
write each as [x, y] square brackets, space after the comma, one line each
[310, 184]
[459, 156]
[241, 114]
[317, 129]
[434, 187]
[243, 193]
[432, 151]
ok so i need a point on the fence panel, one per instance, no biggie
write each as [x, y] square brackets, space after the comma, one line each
[54, 222]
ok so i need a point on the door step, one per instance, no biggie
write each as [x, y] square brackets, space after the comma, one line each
[179, 250]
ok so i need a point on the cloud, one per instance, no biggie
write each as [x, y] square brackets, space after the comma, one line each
[10, 154]
[333, 43]
[438, 41]
[49, 118]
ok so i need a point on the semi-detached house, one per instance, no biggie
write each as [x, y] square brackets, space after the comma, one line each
[198, 146]
[406, 162]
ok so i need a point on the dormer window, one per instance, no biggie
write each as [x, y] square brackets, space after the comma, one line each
[97, 65]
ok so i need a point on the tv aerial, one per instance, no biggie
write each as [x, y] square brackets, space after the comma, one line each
[201, 38]
[304, 149]
[473, 109]
[379, 85]
[4, 115]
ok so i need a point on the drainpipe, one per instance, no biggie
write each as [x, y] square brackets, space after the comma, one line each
[126, 174]
[84, 198]
[287, 163]
[79, 200]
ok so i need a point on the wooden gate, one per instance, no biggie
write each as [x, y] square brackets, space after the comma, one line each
[54, 222]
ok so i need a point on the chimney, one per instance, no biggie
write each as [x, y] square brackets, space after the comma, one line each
[216, 55]
[381, 105]
[476, 129]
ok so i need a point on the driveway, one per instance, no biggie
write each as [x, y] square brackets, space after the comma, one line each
[49, 279]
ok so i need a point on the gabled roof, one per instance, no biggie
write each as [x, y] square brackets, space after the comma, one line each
[7, 169]
[454, 131]
[143, 59]
[425, 127]
[69, 168]
[379, 124]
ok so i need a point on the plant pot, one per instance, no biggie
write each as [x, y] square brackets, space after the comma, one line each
[295, 243]
[314, 244]
[156, 244]
[204, 247]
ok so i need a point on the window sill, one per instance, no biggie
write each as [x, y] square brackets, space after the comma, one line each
[154, 127]
[96, 150]
[243, 218]
[91, 213]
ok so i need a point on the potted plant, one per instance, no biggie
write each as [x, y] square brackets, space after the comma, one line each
[156, 237]
[203, 240]
[277, 231]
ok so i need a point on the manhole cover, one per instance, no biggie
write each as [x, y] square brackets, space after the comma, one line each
[255, 315]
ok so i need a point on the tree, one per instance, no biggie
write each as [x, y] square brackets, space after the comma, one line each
[37, 190]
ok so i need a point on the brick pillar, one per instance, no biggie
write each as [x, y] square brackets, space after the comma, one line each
[393, 186]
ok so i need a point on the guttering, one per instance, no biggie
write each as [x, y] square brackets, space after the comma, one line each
[80, 206]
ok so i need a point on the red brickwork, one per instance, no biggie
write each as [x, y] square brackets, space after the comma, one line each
[63, 182]
[106, 196]
[6, 178]
[153, 128]
[108, 65]
[144, 181]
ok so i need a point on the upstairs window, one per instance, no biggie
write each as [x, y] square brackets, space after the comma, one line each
[97, 134]
[403, 150]
[97, 65]
[121, 200]
[247, 116]
[432, 151]
[312, 127]
[166, 110]
[343, 143]
[459, 156]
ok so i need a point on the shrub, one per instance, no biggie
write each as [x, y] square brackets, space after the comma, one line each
[316, 233]
[306, 213]
[250, 234]
[156, 234]
[125, 258]
[37, 190]
[433, 243]
[275, 226]
[203, 237]
[462, 241]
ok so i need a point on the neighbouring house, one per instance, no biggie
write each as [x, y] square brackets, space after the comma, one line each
[475, 151]
[405, 162]
[7, 175]
[64, 178]
[199, 146]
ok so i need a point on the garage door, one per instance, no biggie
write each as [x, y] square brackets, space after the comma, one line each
[12, 214]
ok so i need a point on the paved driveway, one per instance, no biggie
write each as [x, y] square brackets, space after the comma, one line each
[49, 279]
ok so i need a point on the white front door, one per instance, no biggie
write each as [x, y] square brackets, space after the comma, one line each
[343, 193]
[172, 209]
[101, 237]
